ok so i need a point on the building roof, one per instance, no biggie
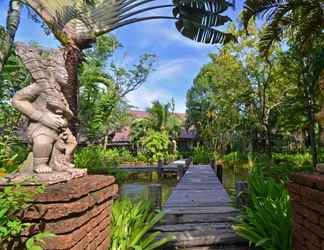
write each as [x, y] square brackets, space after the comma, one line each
[122, 135]
[144, 114]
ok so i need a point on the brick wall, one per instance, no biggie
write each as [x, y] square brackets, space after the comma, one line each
[307, 199]
[78, 212]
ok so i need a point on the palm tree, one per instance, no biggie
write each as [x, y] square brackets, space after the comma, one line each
[77, 24]
[303, 20]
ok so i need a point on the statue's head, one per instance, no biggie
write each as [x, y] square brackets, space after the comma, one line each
[57, 67]
[44, 64]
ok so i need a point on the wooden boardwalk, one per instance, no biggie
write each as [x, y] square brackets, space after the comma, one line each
[200, 214]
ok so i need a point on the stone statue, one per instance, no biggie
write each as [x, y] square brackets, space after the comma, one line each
[44, 103]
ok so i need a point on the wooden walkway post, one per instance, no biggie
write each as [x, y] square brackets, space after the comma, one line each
[155, 195]
[180, 172]
[160, 168]
[219, 172]
[241, 188]
[218, 169]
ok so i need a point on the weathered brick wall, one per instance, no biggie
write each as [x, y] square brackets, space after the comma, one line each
[307, 198]
[78, 212]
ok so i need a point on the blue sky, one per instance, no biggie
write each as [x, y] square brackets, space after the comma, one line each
[178, 58]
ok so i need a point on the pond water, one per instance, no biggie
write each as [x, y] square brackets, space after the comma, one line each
[136, 185]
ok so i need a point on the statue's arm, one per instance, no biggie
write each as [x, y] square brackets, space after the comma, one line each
[23, 99]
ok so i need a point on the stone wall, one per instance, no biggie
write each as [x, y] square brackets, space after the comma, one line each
[307, 199]
[78, 212]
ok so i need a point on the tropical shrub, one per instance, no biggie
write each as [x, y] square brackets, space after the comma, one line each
[201, 155]
[125, 156]
[98, 160]
[282, 165]
[14, 199]
[156, 145]
[266, 222]
[12, 153]
[132, 222]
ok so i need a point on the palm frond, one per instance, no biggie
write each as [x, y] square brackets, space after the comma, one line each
[84, 20]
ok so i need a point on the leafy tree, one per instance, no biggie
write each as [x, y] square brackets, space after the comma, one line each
[77, 24]
[238, 100]
[104, 86]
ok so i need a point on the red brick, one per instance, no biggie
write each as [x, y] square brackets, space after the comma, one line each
[60, 210]
[298, 219]
[309, 236]
[70, 224]
[312, 194]
[316, 229]
[308, 179]
[295, 197]
[315, 206]
[293, 187]
[310, 246]
[322, 222]
[311, 216]
[75, 188]
[298, 208]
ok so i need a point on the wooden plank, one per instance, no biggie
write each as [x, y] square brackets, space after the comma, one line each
[192, 227]
[210, 237]
[200, 210]
[199, 218]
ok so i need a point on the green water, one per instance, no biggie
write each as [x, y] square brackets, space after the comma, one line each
[136, 185]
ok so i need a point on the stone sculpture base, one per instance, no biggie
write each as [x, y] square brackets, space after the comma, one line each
[77, 211]
[307, 197]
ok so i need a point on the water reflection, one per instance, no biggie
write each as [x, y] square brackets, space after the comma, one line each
[136, 185]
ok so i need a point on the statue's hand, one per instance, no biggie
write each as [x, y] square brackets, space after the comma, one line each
[53, 121]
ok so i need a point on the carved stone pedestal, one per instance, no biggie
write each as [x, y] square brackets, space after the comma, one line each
[307, 198]
[77, 211]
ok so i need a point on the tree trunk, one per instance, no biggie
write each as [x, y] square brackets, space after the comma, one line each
[268, 141]
[73, 59]
[311, 117]
[7, 36]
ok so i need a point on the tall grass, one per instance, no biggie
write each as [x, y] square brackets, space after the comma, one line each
[132, 222]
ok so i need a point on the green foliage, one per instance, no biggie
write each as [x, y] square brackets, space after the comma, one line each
[14, 199]
[202, 155]
[156, 145]
[36, 241]
[266, 222]
[131, 225]
[103, 86]
[99, 161]
[12, 153]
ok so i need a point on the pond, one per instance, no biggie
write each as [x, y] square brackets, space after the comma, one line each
[136, 185]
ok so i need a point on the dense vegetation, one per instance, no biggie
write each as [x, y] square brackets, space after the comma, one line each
[253, 106]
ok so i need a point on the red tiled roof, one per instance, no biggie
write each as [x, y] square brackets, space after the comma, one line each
[144, 114]
[121, 135]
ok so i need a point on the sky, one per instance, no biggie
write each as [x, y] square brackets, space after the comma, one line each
[178, 58]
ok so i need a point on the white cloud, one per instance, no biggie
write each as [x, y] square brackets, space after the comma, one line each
[143, 97]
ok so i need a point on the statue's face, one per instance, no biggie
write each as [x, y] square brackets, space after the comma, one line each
[61, 75]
